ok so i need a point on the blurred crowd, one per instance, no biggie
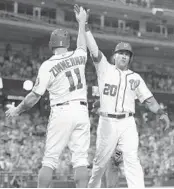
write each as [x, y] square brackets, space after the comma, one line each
[19, 65]
[158, 77]
[156, 145]
[140, 3]
[22, 142]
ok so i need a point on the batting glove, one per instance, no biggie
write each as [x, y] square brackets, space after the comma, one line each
[96, 107]
[165, 121]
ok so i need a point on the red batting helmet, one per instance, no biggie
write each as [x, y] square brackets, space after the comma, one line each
[59, 38]
[122, 46]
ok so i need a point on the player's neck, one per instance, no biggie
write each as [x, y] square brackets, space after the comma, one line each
[60, 51]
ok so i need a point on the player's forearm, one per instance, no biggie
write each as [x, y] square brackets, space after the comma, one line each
[91, 43]
[30, 100]
[81, 40]
[153, 106]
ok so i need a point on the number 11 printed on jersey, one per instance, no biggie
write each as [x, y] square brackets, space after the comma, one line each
[71, 80]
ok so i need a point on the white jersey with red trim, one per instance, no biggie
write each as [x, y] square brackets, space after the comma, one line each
[64, 77]
[118, 89]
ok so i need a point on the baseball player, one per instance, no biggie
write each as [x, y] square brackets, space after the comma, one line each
[63, 75]
[119, 87]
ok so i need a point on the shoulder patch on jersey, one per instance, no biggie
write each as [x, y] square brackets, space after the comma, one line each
[134, 83]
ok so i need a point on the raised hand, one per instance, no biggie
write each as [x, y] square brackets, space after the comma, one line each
[80, 13]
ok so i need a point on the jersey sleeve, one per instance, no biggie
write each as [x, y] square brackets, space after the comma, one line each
[142, 91]
[42, 80]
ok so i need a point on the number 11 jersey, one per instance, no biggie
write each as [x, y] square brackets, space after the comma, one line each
[64, 77]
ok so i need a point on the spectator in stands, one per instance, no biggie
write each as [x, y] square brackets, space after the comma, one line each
[161, 83]
[8, 52]
[2, 163]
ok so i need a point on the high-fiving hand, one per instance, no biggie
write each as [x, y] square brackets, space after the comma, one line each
[81, 14]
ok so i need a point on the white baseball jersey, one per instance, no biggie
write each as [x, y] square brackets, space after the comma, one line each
[118, 89]
[63, 76]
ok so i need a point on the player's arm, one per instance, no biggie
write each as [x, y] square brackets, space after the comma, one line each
[154, 107]
[152, 104]
[81, 19]
[29, 101]
[96, 54]
[38, 90]
[145, 96]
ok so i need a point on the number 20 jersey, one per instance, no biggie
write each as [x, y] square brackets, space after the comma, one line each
[119, 89]
[64, 77]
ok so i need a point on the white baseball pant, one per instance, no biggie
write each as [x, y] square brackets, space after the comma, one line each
[123, 132]
[68, 125]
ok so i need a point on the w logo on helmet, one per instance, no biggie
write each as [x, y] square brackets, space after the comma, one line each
[125, 45]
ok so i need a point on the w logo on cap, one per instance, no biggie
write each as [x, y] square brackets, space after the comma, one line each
[125, 45]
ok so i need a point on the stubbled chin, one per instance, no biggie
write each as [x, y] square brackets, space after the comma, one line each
[122, 66]
[124, 62]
